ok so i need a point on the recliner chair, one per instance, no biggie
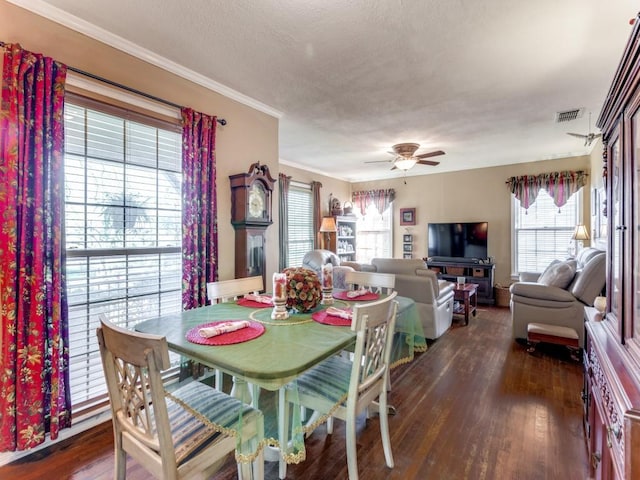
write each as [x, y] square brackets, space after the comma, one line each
[549, 304]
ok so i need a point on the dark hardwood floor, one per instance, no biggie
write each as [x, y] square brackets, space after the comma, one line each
[475, 406]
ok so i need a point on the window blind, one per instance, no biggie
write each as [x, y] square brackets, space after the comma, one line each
[123, 229]
[300, 222]
[543, 232]
[374, 238]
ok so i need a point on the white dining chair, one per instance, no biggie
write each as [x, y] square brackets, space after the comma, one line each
[231, 290]
[227, 291]
[372, 281]
[343, 388]
[185, 433]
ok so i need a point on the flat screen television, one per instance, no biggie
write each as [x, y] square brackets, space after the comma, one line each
[458, 240]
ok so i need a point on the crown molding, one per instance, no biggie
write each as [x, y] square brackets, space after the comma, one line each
[65, 19]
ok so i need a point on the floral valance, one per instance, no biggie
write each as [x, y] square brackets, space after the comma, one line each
[559, 185]
[381, 198]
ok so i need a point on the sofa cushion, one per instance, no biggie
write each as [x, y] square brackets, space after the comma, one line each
[398, 266]
[590, 281]
[559, 274]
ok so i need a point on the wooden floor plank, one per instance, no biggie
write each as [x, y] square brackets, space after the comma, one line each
[475, 406]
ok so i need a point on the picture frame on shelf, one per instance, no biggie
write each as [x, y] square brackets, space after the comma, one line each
[407, 216]
[407, 238]
[407, 247]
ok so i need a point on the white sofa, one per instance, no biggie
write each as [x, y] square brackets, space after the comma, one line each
[433, 297]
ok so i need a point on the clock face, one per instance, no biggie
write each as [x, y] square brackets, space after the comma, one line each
[256, 201]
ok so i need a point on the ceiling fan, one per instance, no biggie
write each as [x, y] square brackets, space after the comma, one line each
[589, 137]
[404, 157]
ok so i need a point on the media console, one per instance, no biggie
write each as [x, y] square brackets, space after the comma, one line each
[473, 271]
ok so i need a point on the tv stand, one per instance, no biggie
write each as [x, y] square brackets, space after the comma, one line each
[473, 271]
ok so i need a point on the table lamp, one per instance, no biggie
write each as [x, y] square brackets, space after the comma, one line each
[579, 235]
[328, 227]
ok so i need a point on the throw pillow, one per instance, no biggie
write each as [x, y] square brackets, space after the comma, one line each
[559, 274]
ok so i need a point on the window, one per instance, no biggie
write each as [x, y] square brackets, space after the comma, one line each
[374, 235]
[543, 233]
[300, 222]
[122, 227]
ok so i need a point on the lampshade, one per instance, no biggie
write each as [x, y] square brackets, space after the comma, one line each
[405, 163]
[328, 225]
[580, 233]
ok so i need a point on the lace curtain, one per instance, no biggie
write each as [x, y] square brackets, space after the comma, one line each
[559, 185]
[380, 198]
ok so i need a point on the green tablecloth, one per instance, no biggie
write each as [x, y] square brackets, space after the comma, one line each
[286, 349]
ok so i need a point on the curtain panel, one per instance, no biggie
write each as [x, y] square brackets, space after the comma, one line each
[284, 182]
[381, 199]
[317, 213]
[559, 185]
[34, 379]
[199, 208]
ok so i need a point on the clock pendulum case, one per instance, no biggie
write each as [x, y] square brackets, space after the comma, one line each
[251, 204]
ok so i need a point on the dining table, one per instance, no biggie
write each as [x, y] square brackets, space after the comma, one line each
[272, 359]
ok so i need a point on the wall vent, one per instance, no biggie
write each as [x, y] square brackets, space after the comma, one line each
[569, 115]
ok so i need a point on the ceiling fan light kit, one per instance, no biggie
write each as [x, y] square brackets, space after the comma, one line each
[404, 158]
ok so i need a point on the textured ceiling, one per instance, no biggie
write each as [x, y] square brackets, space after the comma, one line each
[481, 80]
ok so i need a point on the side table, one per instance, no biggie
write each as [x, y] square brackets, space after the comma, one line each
[467, 295]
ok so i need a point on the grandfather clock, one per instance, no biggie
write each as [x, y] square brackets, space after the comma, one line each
[251, 203]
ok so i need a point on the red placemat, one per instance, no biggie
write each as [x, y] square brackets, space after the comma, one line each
[367, 297]
[244, 302]
[254, 330]
[322, 317]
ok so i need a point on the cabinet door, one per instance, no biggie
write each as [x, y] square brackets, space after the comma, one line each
[600, 455]
[616, 232]
[632, 327]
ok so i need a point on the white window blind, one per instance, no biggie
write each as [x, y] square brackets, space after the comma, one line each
[374, 235]
[300, 222]
[543, 233]
[123, 229]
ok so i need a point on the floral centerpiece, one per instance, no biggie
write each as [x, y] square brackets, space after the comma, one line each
[303, 289]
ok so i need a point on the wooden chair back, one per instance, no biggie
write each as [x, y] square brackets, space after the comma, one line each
[372, 281]
[227, 290]
[166, 439]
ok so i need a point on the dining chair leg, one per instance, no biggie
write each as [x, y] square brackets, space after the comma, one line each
[120, 458]
[352, 458]
[330, 425]
[384, 430]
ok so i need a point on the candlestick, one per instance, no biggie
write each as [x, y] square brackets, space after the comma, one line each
[279, 297]
[327, 284]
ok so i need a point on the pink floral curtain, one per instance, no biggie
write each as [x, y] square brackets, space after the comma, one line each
[381, 198]
[199, 208]
[34, 379]
[559, 185]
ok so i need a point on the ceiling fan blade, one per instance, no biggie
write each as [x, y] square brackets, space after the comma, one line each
[428, 162]
[430, 154]
[378, 161]
[577, 135]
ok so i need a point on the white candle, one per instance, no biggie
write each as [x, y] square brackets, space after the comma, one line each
[279, 283]
[327, 275]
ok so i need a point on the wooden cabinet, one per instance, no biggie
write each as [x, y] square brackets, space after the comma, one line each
[346, 238]
[479, 273]
[612, 355]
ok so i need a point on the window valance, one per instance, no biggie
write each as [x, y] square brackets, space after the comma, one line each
[559, 185]
[381, 198]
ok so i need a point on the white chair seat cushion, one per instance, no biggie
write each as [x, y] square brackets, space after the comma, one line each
[329, 379]
[191, 434]
[552, 330]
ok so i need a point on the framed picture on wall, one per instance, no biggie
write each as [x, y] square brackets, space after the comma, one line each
[406, 255]
[407, 247]
[407, 216]
[407, 238]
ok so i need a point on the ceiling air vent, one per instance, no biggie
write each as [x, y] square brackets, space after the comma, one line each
[569, 115]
